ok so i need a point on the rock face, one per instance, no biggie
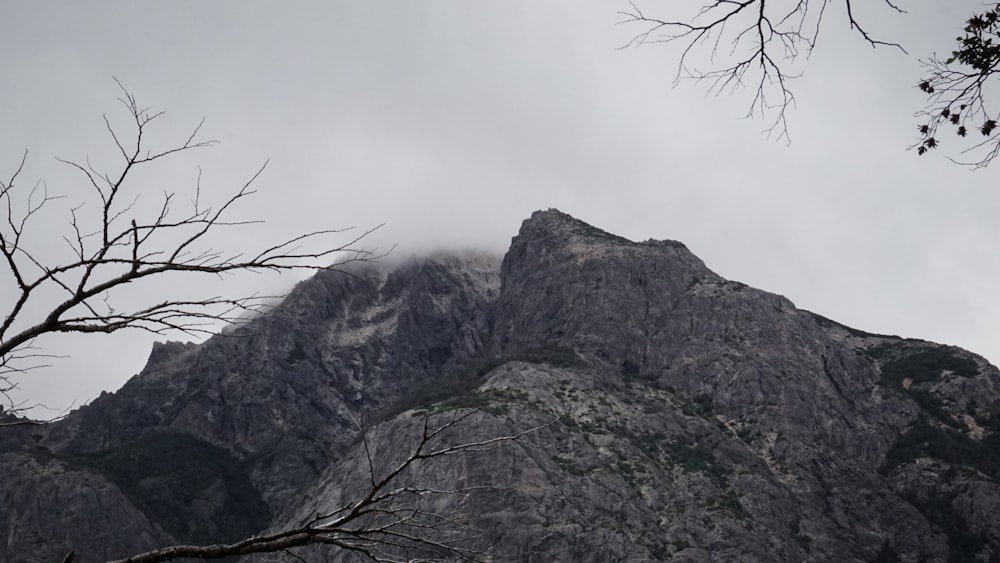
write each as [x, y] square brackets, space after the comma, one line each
[676, 416]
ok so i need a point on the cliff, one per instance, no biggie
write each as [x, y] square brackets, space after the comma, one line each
[678, 416]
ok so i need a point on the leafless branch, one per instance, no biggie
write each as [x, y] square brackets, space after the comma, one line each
[9, 410]
[748, 44]
[113, 245]
[385, 524]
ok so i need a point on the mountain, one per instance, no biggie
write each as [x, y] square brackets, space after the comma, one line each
[670, 415]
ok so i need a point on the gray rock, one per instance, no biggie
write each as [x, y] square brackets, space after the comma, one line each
[679, 417]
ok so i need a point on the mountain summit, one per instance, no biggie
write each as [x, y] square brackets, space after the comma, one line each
[677, 416]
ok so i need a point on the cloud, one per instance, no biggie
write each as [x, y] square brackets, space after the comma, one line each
[452, 122]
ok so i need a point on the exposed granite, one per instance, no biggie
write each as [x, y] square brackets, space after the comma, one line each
[686, 418]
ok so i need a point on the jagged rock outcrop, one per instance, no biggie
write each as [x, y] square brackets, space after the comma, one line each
[678, 415]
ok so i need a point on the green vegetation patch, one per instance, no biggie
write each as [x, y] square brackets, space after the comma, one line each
[945, 444]
[165, 473]
[992, 425]
[630, 370]
[627, 471]
[805, 541]
[730, 502]
[963, 543]
[555, 355]
[459, 387]
[569, 464]
[922, 364]
[685, 452]
[695, 457]
[701, 405]
[295, 355]
[925, 365]
[886, 554]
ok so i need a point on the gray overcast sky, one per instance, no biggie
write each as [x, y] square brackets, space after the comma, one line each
[452, 121]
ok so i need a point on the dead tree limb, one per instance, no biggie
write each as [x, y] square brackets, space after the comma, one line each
[112, 244]
[383, 524]
[757, 45]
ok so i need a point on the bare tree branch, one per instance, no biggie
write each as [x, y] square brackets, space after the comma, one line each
[113, 245]
[384, 524]
[747, 44]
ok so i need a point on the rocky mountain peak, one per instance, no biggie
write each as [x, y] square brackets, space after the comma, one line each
[163, 353]
[565, 281]
[552, 222]
[682, 417]
[552, 228]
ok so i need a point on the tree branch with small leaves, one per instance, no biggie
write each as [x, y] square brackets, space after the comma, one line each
[958, 88]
